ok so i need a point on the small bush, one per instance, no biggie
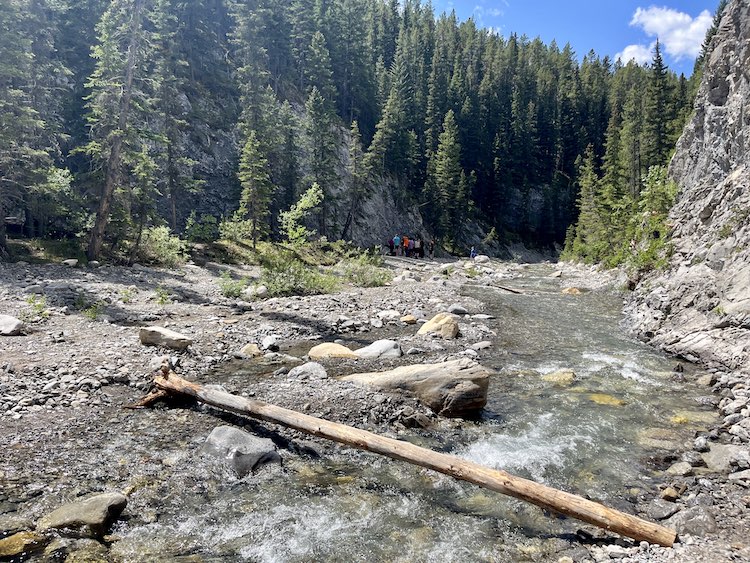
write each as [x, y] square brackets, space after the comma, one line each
[127, 294]
[365, 271]
[203, 229]
[284, 274]
[159, 246]
[162, 296]
[37, 310]
[236, 229]
[93, 311]
[230, 287]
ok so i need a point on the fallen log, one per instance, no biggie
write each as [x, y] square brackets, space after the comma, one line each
[496, 480]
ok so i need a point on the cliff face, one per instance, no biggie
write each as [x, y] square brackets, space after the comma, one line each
[699, 307]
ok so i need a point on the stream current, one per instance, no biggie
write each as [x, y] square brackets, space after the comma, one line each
[604, 436]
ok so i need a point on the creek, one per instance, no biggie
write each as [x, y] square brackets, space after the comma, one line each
[606, 435]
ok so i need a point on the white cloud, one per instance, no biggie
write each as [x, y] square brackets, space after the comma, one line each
[642, 54]
[680, 34]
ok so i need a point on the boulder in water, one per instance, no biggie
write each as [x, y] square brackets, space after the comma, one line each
[330, 350]
[89, 517]
[455, 388]
[380, 349]
[444, 324]
[242, 450]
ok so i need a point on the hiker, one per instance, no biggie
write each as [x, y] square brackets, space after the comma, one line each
[405, 244]
[432, 249]
[390, 247]
[397, 244]
[411, 247]
[473, 253]
[418, 250]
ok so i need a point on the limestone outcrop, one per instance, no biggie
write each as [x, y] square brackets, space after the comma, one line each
[699, 307]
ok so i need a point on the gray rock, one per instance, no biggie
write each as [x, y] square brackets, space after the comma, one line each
[455, 388]
[242, 450]
[70, 262]
[484, 344]
[740, 475]
[414, 351]
[696, 521]
[10, 326]
[270, 343]
[722, 457]
[680, 469]
[160, 336]
[310, 370]
[659, 509]
[380, 349]
[89, 517]
[457, 309]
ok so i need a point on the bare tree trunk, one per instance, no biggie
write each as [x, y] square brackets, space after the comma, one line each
[112, 178]
[496, 480]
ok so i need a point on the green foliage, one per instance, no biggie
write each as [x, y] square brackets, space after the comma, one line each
[127, 294]
[292, 221]
[236, 229]
[256, 188]
[203, 229]
[93, 311]
[365, 270]
[37, 310]
[159, 246]
[161, 296]
[231, 287]
[285, 274]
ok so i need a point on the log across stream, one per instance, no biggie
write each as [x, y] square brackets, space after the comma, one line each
[168, 383]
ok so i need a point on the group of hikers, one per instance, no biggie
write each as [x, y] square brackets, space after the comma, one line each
[411, 247]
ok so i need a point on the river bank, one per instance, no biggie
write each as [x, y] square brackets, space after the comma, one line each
[65, 379]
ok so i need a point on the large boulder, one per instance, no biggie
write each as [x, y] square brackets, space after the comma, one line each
[10, 326]
[444, 324]
[89, 517]
[721, 458]
[455, 388]
[380, 349]
[242, 450]
[330, 350]
[310, 370]
[160, 336]
[20, 545]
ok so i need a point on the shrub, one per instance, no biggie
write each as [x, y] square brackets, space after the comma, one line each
[230, 287]
[236, 229]
[159, 246]
[205, 229]
[291, 221]
[284, 274]
[365, 270]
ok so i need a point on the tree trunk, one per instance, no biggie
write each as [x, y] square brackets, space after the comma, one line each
[496, 480]
[112, 178]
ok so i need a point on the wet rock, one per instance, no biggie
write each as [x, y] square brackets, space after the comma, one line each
[484, 344]
[604, 399]
[560, 377]
[251, 350]
[242, 450]
[444, 324]
[670, 494]
[10, 326]
[89, 517]
[160, 336]
[330, 350]
[571, 291]
[310, 370]
[701, 444]
[696, 520]
[380, 349]
[10, 524]
[20, 544]
[455, 388]
[722, 457]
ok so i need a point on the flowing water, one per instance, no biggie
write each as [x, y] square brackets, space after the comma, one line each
[598, 437]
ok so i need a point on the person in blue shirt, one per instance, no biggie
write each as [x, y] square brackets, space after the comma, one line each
[473, 253]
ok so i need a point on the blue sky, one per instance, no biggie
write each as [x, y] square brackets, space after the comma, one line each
[622, 28]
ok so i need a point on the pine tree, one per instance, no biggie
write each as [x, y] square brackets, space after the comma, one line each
[257, 189]
[122, 97]
[357, 176]
[447, 179]
[657, 141]
[589, 229]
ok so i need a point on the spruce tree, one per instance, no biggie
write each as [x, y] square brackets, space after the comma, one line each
[257, 189]
[657, 114]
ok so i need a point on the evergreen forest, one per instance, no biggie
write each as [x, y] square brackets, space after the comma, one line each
[221, 118]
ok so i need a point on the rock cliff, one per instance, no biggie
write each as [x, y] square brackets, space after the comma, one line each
[699, 307]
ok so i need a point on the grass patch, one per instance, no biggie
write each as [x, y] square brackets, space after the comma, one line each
[365, 270]
[39, 251]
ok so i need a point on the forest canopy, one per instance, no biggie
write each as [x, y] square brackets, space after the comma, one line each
[117, 117]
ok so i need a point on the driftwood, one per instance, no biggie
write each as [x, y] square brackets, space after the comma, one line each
[496, 480]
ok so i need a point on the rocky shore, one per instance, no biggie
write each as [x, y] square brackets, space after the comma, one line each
[79, 357]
